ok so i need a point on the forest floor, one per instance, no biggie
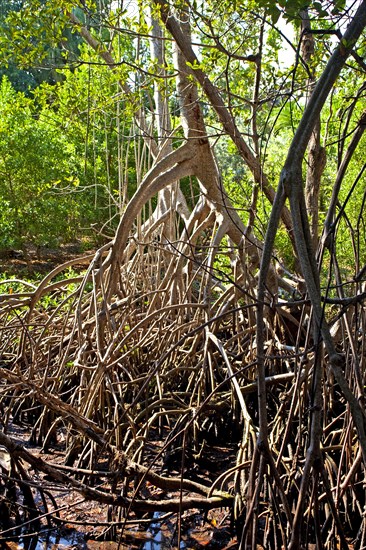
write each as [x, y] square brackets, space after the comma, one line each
[84, 525]
[40, 261]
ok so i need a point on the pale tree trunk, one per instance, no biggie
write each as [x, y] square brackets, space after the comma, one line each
[218, 104]
[170, 198]
[316, 153]
[163, 128]
[315, 169]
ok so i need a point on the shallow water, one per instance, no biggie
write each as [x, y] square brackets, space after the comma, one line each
[51, 541]
[159, 540]
[69, 539]
[160, 535]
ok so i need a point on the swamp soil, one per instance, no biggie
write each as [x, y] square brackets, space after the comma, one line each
[81, 524]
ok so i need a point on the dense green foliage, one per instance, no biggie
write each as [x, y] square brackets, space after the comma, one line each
[59, 160]
[64, 162]
[70, 155]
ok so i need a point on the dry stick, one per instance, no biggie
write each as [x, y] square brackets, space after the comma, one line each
[246, 416]
[108, 356]
[123, 523]
[347, 480]
[333, 505]
[147, 230]
[217, 237]
[42, 287]
[165, 356]
[228, 473]
[241, 466]
[249, 528]
[181, 251]
[47, 515]
[295, 388]
[52, 316]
